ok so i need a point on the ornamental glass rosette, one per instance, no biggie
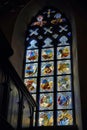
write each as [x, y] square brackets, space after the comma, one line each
[48, 68]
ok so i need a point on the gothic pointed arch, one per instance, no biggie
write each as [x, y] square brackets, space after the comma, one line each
[30, 31]
[48, 70]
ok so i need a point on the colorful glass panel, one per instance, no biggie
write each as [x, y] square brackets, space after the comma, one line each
[31, 55]
[47, 68]
[63, 52]
[65, 117]
[31, 70]
[64, 83]
[46, 118]
[46, 84]
[46, 101]
[39, 21]
[64, 67]
[47, 54]
[31, 84]
[64, 100]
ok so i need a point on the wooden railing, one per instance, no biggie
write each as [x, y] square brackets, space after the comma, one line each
[14, 89]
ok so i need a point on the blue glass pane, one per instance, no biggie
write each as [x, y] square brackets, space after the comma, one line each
[63, 28]
[33, 32]
[63, 40]
[47, 42]
[32, 44]
[47, 30]
[64, 100]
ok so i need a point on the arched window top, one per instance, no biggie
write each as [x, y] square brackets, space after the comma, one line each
[49, 15]
[48, 73]
[48, 25]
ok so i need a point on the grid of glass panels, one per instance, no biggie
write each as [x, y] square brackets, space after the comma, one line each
[48, 68]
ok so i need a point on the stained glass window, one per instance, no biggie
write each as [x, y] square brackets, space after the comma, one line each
[48, 70]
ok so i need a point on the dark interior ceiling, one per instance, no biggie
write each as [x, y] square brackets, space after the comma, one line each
[11, 5]
[14, 5]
